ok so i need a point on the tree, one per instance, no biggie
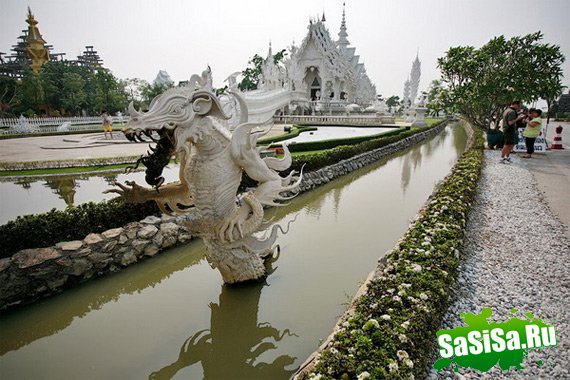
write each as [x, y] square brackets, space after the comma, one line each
[73, 96]
[482, 82]
[393, 101]
[8, 95]
[134, 90]
[31, 94]
[151, 91]
[52, 79]
[252, 74]
[107, 93]
[436, 98]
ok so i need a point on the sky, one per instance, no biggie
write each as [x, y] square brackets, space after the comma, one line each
[137, 38]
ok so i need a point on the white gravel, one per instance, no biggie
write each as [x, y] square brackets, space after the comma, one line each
[515, 255]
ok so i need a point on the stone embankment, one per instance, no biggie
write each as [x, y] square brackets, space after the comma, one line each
[62, 164]
[31, 274]
[34, 273]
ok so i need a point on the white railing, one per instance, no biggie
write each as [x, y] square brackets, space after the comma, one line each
[334, 120]
[51, 124]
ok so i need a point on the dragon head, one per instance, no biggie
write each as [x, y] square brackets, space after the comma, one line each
[175, 112]
[175, 108]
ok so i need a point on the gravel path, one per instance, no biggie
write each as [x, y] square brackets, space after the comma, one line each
[515, 254]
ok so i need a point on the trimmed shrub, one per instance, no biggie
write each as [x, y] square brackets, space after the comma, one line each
[329, 144]
[295, 131]
[343, 152]
[73, 223]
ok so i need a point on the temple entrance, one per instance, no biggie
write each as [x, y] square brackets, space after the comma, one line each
[313, 79]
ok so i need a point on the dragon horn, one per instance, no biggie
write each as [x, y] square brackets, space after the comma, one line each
[132, 111]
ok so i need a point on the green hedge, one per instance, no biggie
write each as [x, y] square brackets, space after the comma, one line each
[323, 144]
[343, 152]
[42, 230]
[329, 144]
[393, 329]
[295, 131]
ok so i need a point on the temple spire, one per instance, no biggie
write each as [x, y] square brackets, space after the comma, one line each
[415, 76]
[343, 41]
[35, 50]
[270, 51]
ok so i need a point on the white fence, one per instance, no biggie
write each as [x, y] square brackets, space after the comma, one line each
[335, 120]
[8, 126]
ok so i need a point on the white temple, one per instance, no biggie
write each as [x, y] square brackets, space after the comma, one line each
[323, 75]
[162, 78]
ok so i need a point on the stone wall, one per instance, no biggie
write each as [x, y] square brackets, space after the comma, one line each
[31, 274]
[35, 273]
[60, 164]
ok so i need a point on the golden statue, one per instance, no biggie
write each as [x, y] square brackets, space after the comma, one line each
[36, 50]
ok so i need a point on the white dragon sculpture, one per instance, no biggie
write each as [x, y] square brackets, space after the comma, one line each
[212, 154]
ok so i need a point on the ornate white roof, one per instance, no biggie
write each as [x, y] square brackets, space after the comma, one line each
[334, 61]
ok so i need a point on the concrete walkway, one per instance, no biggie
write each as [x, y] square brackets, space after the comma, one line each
[70, 147]
[551, 171]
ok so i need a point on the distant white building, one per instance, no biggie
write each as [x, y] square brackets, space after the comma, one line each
[163, 78]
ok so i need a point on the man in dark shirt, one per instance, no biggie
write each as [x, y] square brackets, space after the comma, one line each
[510, 120]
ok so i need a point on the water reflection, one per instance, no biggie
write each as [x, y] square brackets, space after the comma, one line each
[42, 194]
[64, 187]
[411, 162]
[57, 313]
[236, 339]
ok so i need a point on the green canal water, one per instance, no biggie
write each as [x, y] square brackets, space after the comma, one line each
[171, 317]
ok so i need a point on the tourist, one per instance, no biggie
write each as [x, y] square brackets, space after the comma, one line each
[510, 120]
[532, 131]
[107, 124]
[521, 124]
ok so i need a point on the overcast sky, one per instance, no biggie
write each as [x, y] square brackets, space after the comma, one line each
[137, 38]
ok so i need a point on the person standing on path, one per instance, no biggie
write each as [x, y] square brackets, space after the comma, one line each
[107, 124]
[510, 120]
[532, 131]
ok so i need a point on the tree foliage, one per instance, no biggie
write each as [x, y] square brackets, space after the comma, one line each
[8, 88]
[252, 74]
[480, 83]
[73, 96]
[62, 89]
[150, 91]
[392, 101]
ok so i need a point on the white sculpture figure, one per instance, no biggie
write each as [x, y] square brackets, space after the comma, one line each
[406, 101]
[23, 126]
[204, 81]
[120, 118]
[193, 125]
[64, 127]
[420, 110]
[232, 80]
[415, 75]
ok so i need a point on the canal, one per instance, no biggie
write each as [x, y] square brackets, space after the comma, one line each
[171, 317]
